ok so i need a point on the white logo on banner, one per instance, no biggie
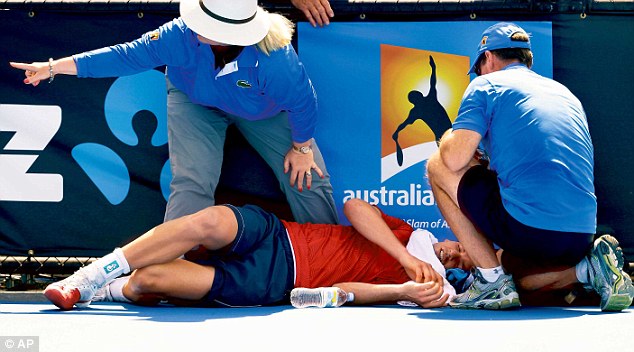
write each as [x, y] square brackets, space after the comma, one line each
[34, 127]
[413, 155]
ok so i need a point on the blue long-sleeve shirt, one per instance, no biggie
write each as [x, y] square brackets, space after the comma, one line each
[254, 86]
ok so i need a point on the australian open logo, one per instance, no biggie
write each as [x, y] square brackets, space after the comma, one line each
[420, 95]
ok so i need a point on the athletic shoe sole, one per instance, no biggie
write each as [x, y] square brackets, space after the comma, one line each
[509, 302]
[621, 292]
[62, 298]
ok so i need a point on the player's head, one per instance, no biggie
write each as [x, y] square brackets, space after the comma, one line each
[453, 255]
[508, 41]
[415, 97]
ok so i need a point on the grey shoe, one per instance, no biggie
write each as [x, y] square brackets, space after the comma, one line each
[606, 275]
[482, 294]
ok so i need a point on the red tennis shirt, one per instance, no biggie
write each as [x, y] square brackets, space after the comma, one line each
[328, 254]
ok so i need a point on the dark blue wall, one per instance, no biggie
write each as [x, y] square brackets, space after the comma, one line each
[592, 56]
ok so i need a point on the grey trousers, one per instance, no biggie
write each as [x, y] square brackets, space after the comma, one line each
[196, 137]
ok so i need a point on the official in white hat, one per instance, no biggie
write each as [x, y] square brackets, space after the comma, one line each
[228, 62]
[230, 22]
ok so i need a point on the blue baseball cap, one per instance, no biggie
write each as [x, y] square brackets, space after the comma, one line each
[498, 36]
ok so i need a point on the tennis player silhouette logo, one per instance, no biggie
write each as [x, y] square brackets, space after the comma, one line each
[427, 109]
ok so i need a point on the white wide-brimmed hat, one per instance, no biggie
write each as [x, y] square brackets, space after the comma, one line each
[234, 22]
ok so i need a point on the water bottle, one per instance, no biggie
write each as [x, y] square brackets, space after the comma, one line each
[323, 297]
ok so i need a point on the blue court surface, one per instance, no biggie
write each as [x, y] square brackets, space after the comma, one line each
[124, 327]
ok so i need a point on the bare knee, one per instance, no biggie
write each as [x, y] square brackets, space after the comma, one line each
[146, 280]
[214, 227]
[205, 221]
[435, 166]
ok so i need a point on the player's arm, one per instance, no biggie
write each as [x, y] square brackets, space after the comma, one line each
[426, 295]
[367, 220]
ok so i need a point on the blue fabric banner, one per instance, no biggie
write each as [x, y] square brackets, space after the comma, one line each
[387, 91]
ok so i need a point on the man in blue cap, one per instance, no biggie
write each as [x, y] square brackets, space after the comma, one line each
[516, 169]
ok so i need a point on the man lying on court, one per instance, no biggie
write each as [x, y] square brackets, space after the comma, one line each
[254, 258]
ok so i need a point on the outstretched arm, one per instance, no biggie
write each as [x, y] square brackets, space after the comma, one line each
[426, 295]
[38, 71]
[367, 220]
[432, 78]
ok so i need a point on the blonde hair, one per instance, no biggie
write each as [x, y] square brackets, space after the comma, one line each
[280, 34]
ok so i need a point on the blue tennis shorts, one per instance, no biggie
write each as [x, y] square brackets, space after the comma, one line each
[258, 269]
[479, 199]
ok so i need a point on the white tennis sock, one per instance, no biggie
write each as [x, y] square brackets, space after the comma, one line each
[116, 289]
[581, 270]
[492, 274]
[111, 266]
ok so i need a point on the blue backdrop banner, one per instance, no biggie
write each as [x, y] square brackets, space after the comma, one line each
[387, 91]
[83, 161]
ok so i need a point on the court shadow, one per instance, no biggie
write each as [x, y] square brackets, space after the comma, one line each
[173, 314]
[523, 313]
[161, 313]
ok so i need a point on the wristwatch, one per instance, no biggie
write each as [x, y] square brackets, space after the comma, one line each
[302, 150]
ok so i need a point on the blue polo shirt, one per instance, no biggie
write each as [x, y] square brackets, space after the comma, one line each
[255, 86]
[536, 135]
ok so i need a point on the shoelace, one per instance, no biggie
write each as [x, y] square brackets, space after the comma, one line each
[80, 279]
